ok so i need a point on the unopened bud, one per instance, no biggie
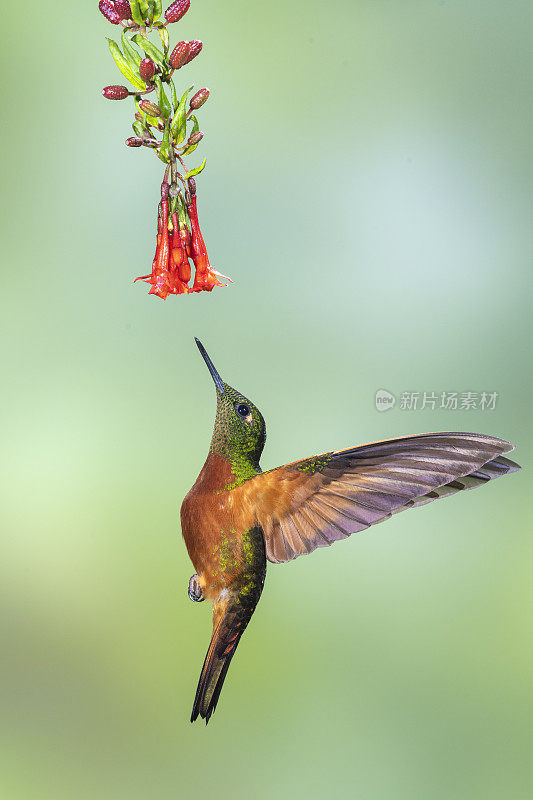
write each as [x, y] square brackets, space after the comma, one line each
[124, 9]
[175, 11]
[199, 99]
[194, 48]
[147, 69]
[109, 11]
[179, 55]
[115, 92]
[150, 108]
[133, 141]
[194, 138]
[192, 186]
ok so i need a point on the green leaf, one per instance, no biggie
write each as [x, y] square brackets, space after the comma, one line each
[196, 170]
[163, 103]
[195, 127]
[123, 65]
[136, 12]
[165, 40]
[179, 122]
[138, 128]
[165, 144]
[158, 10]
[175, 103]
[150, 49]
[190, 149]
[131, 53]
[144, 7]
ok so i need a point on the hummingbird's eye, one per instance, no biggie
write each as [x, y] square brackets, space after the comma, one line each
[242, 409]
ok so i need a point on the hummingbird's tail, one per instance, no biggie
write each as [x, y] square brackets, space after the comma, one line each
[230, 618]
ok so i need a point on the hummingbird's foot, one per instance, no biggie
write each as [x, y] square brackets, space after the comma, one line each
[195, 592]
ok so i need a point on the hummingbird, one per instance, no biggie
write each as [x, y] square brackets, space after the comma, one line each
[236, 517]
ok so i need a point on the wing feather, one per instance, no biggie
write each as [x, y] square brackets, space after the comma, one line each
[318, 501]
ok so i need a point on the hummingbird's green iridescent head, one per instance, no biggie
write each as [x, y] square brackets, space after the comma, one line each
[240, 430]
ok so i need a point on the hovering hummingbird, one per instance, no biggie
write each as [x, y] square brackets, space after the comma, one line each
[237, 517]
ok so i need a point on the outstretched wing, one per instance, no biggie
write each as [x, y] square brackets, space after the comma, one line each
[317, 501]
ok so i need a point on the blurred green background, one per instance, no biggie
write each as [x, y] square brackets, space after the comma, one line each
[369, 187]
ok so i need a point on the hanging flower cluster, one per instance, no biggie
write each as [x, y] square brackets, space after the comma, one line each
[161, 124]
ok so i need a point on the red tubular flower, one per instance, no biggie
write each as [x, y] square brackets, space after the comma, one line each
[160, 273]
[171, 270]
[205, 277]
[185, 236]
[109, 11]
[180, 269]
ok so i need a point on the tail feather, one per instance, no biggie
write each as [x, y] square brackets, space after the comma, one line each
[228, 627]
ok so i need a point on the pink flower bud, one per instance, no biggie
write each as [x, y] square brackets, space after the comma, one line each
[109, 11]
[179, 55]
[147, 69]
[150, 108]
[133, 141]
[199, 99]
[192, 186]
[115, 92]
[194, 138]
[194, 48]
[123, 8]
[175, 11]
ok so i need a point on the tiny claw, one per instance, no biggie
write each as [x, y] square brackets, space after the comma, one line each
[194, 591]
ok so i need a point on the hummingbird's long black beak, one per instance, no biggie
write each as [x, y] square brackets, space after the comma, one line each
[210, 366]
